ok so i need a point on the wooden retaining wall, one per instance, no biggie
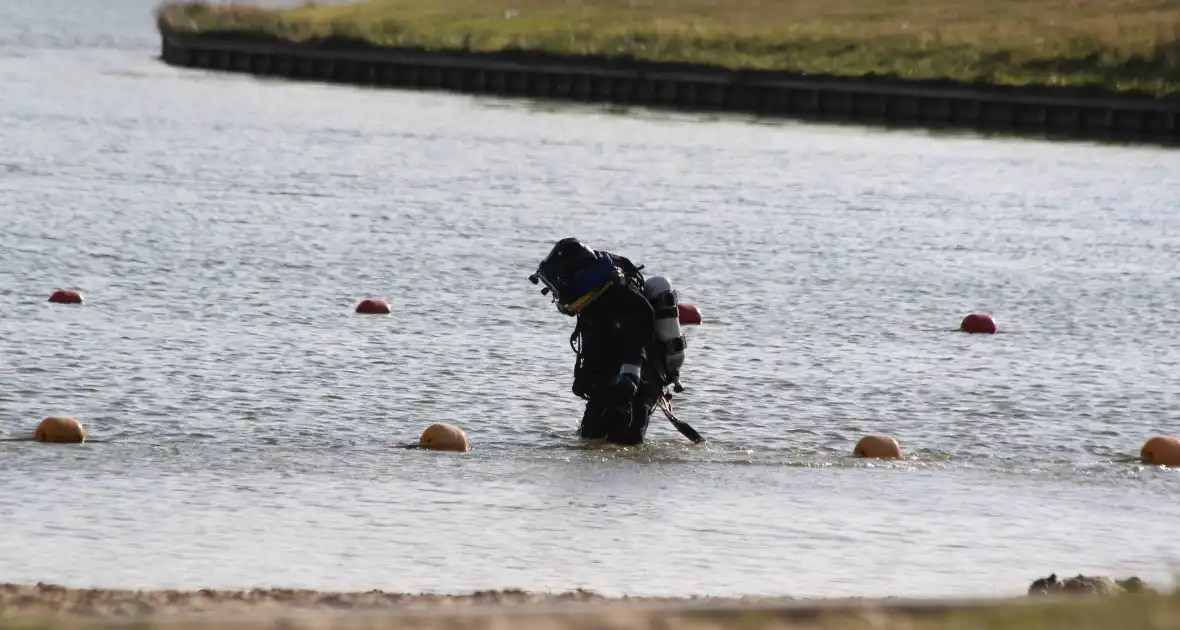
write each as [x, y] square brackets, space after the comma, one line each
[1127, 119]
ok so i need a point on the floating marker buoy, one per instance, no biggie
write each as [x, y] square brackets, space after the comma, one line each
[60, 430]
[1161, 450]
[373, 306]
[443, 437]
[69, 296]
[878, 447]
[688, 314]
[979, 323]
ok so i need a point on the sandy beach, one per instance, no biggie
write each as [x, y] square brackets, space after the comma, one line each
[51, 606]
[32, 600]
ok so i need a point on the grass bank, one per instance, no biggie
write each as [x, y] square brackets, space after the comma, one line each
[1118, 45]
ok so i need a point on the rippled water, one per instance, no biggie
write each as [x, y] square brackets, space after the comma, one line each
[222, 228]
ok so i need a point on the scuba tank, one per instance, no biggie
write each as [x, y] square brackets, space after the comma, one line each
[658, 291]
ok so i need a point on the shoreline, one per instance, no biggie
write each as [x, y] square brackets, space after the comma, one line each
[1038, 111]
[27, 605]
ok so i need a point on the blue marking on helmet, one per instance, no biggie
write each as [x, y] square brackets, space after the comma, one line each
[595, 275]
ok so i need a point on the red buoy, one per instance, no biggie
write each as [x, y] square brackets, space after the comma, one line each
[688, 314]
[374, 306]
[66, 297]
[978, 323]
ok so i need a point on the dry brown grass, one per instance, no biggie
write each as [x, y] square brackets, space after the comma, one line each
[1140, 612]
[49, 607]
[1128, 604]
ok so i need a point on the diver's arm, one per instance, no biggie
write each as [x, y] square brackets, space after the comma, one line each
[636, 325]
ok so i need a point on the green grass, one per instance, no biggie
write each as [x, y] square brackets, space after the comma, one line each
[1122, 45]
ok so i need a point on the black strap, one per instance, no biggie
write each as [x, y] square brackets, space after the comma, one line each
[574, 337]
[577, 348]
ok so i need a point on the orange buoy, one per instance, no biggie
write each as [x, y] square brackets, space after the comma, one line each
[1161, 450]
[60, 430]
[979, 323]
[688, 314]
[878, 447]
[373, 306]
[443, 437]
[68, 296]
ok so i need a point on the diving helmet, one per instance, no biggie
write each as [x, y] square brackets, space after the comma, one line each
[572, 273]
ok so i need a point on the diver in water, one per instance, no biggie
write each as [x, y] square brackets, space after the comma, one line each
[627, 338]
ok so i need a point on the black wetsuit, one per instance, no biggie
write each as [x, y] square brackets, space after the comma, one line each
[617, 329]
